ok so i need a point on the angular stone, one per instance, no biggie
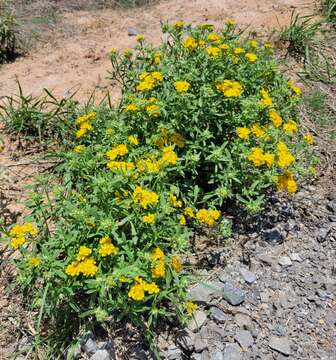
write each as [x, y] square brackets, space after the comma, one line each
[273, 235]
[247, 275]
[90, 347]
[233, 295]
[198, 319]
[232, 352]
[285, 261]
[132, 32]
[200, 343]
[295, 257]
[101, 355]
[244, 339]
[217, 314]
[186, 339]
[280, 344]
[217, 355]
[205, 291]
[174, 353]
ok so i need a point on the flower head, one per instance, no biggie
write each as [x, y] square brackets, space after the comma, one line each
[182, 86]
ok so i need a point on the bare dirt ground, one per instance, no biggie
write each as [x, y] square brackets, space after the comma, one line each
[76, 56]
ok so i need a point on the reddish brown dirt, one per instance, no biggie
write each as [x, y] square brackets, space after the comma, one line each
[77, 56]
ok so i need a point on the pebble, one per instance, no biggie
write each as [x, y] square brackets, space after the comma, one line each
[101, 355]
[285, 261]
[244, 339]
[203, 293]
[232, 352]
[247, 275]
[90, 347]
[132, 32]
[273, 235]
[280, 344]
[174, 353]
[217, 314]
[295, 257]
[233, 295]
[198, 319]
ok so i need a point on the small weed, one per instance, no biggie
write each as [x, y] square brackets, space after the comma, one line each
[329, 10]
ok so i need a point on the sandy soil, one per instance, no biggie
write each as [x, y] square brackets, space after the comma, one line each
[77, 56]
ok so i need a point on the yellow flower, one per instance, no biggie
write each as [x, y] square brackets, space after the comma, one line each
[122, 279]
[257, 131]
[152, 100]
[132, 107]
[88, 267]
[213, 37]
[114, 50]
[169, 156]
[208, 217]
[251, 57]
[174, 202]
[151, 288]
[213, 51]
[17, 241]
[34, 261]
[127, 52]
[230, 22]
[79, 149]
[178, 24]
[106, 247]
[159, 270]
[308, 139]
[23, 229]
[286, 181]
[118, 150]
[296, 90]
[133, 140]
[191, 307]
[268, 45]
[121, 166]
[275, 118]
[257, 156]
[140, 38]
[73, 269]
[83, 253]
[183, 220]
[181, 86]
[266, 99]
[144, 197]
[136, 292]
[290, 127]
[238, 50]
[285, 158]
[153, 110]
[243, 132]
[230, 88]
[176, 263]
[157, 254]
[253, 43]
[149, 218]
[157, 58]
[189, 212]
[269, 159]
[224, 46]
[109, 132]
[190, 43]
[157, 76]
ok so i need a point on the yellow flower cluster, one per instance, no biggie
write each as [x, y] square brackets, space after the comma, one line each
[133, 140]
[106, 247]
[79, 149]
[251, 57]
[229, 88]
[164, 139]
[118, 150]
[213, 51]
[290, 127]
[169, 156]
[286, 181]
[137, 290]
[243, 132]
[158, 268]
[145, 197]
[308, 139]
[149, 218]
[266, 99]
[275, 118]
[238, 51]
[191, 307]
[121, 166]
[296, 90]
[285, 158]
[132, 107]
[176, 263]
[208, 217]
[84, 123]
[153, 110]
[149, 80]
[84, 264]
[34, 262]
[19, 232]
[178, 24]
[213, 37]
[259, 158]
[191, 43]
[181, 86]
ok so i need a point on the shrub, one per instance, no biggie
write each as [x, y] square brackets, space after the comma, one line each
[206, 120]
[8, 32]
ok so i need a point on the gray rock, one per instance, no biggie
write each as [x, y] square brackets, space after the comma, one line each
[90, 347]
[217, 314]
[233, 295]
[217, 355]
[203, 292]
[273, 235]
[132, 32]
[269, 260]
[280, 344]
[247, 275]
[174, 353]
[198, 319]
[295, 257]
[232, 352]
[264, 296]
[244, 339]
[331, 206]
[322, 234]
[101, 355]
[200, 343]
[285, 261]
